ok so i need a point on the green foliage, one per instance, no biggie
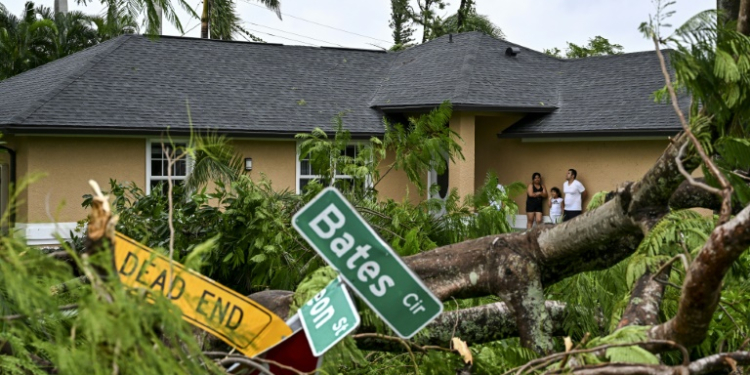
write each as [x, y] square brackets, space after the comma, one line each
[39, 35]
[225, 23]
[595, 299]
[401, 23]
[554, 52]
[734, 162]
[331, 158]
[710, 61]
[117, 21]
[249, 220]
[310, 286]
[426, 15]
[425, 143]
[597, 200]
[473, 22]
[109, 328]
[624, 354]
[597, 46]
[214, 159]
[483, 214]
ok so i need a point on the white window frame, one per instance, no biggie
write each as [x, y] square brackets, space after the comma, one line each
[299, 176]
[188, 168]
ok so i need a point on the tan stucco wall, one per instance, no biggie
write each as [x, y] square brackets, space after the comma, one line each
[395, 185]
[274, 159]
[69, 162]
[462, 173]
[601, 165]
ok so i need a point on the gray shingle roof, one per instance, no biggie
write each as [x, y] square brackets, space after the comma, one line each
[137, 85]
[471, 71]
[605, 95]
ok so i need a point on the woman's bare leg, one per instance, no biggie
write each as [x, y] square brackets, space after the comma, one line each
[529, 220]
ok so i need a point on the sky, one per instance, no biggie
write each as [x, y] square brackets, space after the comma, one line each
[364, 23]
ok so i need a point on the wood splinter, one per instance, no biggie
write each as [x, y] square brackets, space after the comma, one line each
[100, 234]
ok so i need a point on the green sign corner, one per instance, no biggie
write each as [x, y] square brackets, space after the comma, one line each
[328, 317]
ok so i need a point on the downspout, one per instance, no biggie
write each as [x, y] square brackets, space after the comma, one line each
[12, 154]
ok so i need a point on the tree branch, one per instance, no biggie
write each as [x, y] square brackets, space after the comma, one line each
[691, 196]
[645, 302]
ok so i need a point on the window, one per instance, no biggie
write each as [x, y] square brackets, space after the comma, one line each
[157, 164]
[433, 178]
[307, 173]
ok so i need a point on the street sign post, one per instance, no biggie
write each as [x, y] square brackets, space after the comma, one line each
[328, 317]
[228, 315]
[339, 234]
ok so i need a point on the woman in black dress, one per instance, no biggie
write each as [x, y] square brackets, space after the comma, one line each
[535, 193]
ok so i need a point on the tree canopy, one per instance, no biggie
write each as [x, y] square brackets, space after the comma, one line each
[597, 46]
[466, 19]
[39, 36]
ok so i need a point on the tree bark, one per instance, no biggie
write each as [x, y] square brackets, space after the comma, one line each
[461, 16]
[728, 10]
[743, 18]
[204, 18]
[645, 301]
[475, 325]
[718, 363]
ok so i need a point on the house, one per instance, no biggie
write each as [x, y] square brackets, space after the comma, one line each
[100, 113]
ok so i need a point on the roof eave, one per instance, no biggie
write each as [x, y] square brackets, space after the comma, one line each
[465, 107]
[122, 131]
[598, 133]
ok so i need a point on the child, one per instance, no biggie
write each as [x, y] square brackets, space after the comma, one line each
[555, 205]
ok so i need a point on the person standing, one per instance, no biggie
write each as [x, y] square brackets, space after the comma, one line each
[556, 205]
[573, 190]
[535, 193]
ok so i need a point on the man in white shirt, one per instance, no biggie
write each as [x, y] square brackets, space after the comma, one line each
[573, 191]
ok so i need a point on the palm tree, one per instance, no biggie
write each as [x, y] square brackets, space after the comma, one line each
[40, 35]
[23, 41]
[71, 32]
[116, 22]
[220, 21]
[213, 159]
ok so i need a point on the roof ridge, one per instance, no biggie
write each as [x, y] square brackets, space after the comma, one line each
[67, 81]
[265, 44]
[387, 76]
[530, 49]
[625, 54]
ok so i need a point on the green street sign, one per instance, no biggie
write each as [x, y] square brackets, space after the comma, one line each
[328, 317]
[339, 234]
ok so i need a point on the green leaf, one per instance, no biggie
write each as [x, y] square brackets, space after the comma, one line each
[725, 67]
[631, 354]
[258, 258]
